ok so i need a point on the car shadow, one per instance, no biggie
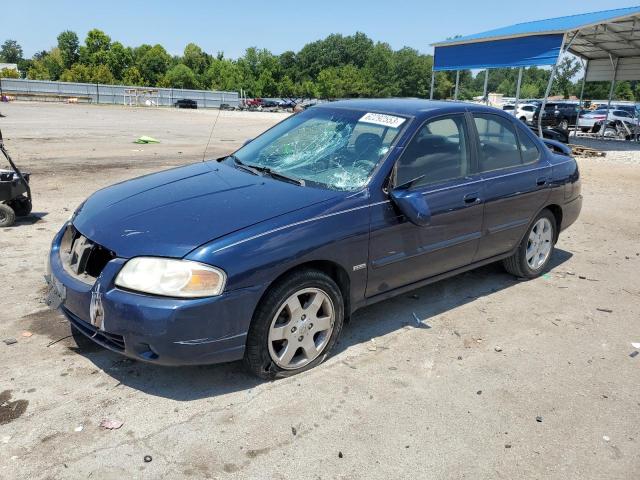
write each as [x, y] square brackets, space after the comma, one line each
[195, 382]
[31, 219]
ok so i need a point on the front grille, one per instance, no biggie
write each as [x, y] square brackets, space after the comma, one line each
[81, 257]
[109, 340]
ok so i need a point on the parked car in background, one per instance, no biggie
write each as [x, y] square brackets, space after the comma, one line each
[270, 249]
[588, 119]
[186, 103]
[524, 112]
[557, 114]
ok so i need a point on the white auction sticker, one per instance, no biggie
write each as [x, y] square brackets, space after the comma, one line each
[382, 119]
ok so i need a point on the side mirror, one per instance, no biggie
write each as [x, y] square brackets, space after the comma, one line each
[413, 205]
[248, 140]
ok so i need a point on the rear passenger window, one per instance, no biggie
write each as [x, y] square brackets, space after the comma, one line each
[439, 151]
[498, 143]
[528, 148]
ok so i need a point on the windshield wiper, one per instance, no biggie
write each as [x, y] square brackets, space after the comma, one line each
[280, 176]
[240, 164]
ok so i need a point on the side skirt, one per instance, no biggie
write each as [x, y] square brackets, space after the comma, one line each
[436, 278]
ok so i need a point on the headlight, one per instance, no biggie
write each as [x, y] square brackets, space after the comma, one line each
[171, 278]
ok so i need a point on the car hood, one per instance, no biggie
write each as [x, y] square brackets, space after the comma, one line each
[172, 212]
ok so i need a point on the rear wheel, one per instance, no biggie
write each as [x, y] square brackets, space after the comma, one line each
[295, 325]
[7, 215]
[564, 124]
[523, 119]
[535, 250]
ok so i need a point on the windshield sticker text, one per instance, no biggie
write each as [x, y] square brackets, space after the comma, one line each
[382, 119]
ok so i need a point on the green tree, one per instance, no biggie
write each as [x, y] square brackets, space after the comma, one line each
[180, 76]
[567, 69]
[153, 64]
[69, 45]
[195, 58]
[133, 77]
[38, 71]
[624, 91]
[102, 74]
[97, 41]
[9, 73]
[54, 63]
[119, 58]
[224, 75]
[77, 73]
[10, 51]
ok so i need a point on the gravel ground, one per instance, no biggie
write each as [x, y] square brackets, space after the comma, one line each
[512, 379]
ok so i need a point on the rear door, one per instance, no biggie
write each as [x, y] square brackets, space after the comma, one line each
[443, 158]
[517, 178]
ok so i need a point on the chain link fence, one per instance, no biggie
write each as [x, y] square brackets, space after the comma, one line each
[112, 94]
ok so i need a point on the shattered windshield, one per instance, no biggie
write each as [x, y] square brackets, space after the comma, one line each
[330, 148]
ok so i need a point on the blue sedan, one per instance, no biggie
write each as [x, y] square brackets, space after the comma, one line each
[264, 254]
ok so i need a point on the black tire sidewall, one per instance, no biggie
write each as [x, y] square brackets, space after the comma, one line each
[522, 249]
[8, 216]
[257, 355]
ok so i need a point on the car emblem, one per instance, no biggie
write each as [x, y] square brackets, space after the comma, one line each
[96, 312]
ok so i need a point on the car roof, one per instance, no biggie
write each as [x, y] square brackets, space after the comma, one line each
[400, 106]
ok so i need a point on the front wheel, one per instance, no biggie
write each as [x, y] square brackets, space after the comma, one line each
[21, 206]
[7, 215]
[564, 124]
[295, 325]
[535, 250]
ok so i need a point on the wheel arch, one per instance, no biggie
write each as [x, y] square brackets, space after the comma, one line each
[557, 213]
[334, 270]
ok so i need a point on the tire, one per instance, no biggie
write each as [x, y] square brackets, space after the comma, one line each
[523, 119]
[274, 331]
[519, 264]
[564, 124]
[7, 215]
[21, 206]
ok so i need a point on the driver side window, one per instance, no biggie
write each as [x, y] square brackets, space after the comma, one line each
[439, 152]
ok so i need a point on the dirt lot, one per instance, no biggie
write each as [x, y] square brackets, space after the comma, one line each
[457, 400]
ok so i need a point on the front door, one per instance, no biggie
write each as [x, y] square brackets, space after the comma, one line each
[440, 161]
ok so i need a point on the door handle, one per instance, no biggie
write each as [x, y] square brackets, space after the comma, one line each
[472, 198]
[541, 181]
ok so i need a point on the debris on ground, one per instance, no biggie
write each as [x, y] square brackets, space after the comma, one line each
[79, 428]
[372, 345]
[27, 334]
[340, 455]
[605, 438]
[479, 392]
[539, 419]
[111, 424]
[147, 458]
[10, 341]
[634, 354]
[145, 140]
[580, 150]
[294, 431]
[605, 310]
[497, 349]
[635, 345]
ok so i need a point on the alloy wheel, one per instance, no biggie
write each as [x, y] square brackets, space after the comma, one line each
[301, 328]
[539, 244]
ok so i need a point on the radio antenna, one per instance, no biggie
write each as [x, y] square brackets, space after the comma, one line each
[213, 127]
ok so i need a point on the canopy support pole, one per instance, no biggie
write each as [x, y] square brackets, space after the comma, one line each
[613, 84]
[551, 77]
[515, 106]
[433, 82]
[486, 86]
[585, 67]
[455, 95]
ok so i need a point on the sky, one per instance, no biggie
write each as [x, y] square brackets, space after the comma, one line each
[277, 25]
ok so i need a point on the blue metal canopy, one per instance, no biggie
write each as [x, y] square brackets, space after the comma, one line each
[540, 42]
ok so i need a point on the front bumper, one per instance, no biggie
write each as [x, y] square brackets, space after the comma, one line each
[165, 331]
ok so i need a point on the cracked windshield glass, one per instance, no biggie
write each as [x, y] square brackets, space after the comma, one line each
[324, 147]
